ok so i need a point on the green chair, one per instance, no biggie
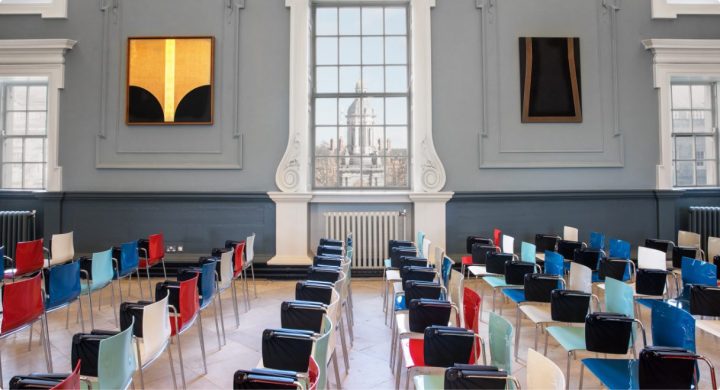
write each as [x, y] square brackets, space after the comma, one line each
[500, 334]
[102, 276]
[618, 299]
[116, 361]
[321, 355]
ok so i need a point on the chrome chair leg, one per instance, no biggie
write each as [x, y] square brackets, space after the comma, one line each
[179, 346]
[217, 325]
[344, 346]
[202, 342]
[337, 371]
[112, 303]
[172, 365]
[234, 299]
[222, 320]
[252, 270]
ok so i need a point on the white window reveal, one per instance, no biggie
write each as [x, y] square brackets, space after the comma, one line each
[670, 9]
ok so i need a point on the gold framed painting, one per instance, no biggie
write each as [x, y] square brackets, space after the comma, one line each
[170, 80]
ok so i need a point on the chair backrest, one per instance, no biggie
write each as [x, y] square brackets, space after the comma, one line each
[689, 239]
[471, 309]
[580, 278]
[455, 289]
[226, 271]
[439, 255]
[29, 256]
[539, 287]
[619, 249]
[2, 260]
[445, 270]
[705, 301]
[116, 360]
[425, 248]
[62, 248]
[419, 238]
[250, 248]
[527, 252]
[546, 242]
[515, 272]
[445, 346]
[480, 252]
[497, 236]
[63, 282]
[321, 352]
[713, 248]
[672, 326]
[156, 247]
[543, 373]
[649, 258]
[567, 248]
[500, 335]
[313, 374]
[426, 312]
[72, 381]
[589, 257]
[238, 256]
[156, 328]
[597, 240]
[129, 258]
[22, 303]
[189, 301]
[102, 268]
[207, 277]
[698, 272]
[508, 243]
[554, 263]
[664, 246]
[619, 297]
[570, 233]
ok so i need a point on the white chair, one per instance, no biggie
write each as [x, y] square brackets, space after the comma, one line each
[543, 373]
[649, 258]
[570, 233]
[508, 244]
[335, 314]
[156, 338]
[692, 240]
[249, 256]
[62, 249]
[426, 248]
[580, 278]
[713, 247]
[226, 281]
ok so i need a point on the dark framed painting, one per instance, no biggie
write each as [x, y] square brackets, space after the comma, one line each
[550, 89]
[170, 80]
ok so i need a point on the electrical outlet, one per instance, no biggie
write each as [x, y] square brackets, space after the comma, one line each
[170, 249]
[180, 248]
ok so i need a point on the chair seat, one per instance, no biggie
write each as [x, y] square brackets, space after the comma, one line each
[571, 338]
[516, 295]
[413, 352]
[480, 271]
[429, 382]
[614, 373]
[466, 260]
[538, 313]
[392, 275]
[496, 281]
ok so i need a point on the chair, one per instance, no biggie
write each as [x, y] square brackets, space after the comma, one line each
[62, 288]
[225, 281]
[567, 248]
[22, 307]
[116, 361]
[465, 376]
[500, 333]
[514, 277]
[665, 246]
[651, 278]
[62, 249]
[698, 272]
[597, 241]
[126, 261]
[183, 317]
[543, 373]
[528, 252]
[472, 258]
[239, 272]
[249, 259]
[153, 253]
[264, 378]
[209, 295]
[419, 239]
[323, 353]
[546, 242]
[690, 239]
[508, 243]
[155, 337]
[51, 381]
[570, 233]
[590, 258]
[28, 259]
[100, 277]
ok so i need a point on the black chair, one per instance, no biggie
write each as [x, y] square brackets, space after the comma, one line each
[589, 258]
[567, 248]
[331, 242]
[428, 312]
[670, 368]
[472, 240]
[287, 349]
[705, 301]
[678, 252]
[263, 378]
[495, 262]
[569, 306]
[324, 273]
[304, 315]
[546, 242]
[651, 282]
[661, 245]
[615, 268]
[426, 274]
[329, 250]
[416, 289]
[414, 261]
[314, 291]
[480, 252]
[398, 252]
[327, 261]
[465, 376]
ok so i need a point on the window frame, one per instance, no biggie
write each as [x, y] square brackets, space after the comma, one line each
[4, 136]
[661, 9]
[55, 9]
[354, 95]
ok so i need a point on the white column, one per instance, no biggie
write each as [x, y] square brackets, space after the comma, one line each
[429, 215]
[291, 228]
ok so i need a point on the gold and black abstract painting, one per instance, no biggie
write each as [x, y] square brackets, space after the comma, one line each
[170, 80]
[550, 89]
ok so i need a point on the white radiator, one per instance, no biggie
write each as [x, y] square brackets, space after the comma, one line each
[371, 232]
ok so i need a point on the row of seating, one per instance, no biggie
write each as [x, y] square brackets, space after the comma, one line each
[36, 285]
[298, 354]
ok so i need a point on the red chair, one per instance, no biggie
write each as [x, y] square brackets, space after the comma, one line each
[182, 318]
[29, 258]
[22, 307]
[472, 309]
[313, 374]
[240, 272]
[152, 255]
[72, 382]
[497, 237]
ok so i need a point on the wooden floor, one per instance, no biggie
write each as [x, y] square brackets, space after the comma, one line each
[368, 358]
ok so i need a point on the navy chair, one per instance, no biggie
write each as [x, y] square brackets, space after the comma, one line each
[62, 288]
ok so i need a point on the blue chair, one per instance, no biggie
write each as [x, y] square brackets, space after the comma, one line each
[102, 276]
[209, 281]
[126, 262]
[553, 267]
[446, 270]
[698, 272]
[2, 260]
[62, 288]
[597, 241]
[671, 327]
[620, 249]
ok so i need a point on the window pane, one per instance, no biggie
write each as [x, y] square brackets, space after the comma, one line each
[326, 172]
[701, 96]
[680, 96]
[326, 79]
[684, 173]
[326, 21]
[395, 50]
[12, 150]
[326, 51]
[12, 176]
[325, 111]
[705, 148]
[349, 111]
[349, 21]
[33, 175]
[396, 172]
[34, 150]
[37, 123]
[349, 51]
[702, 121]
[396, 79]
[15, 122]
[372, 140]
[17, 98]
[706, 173]
[396, 111]
[395, 21]
[37, 98]
[326, 141]
[350, 79]
[396, 141]
[372, 51]
[374, 108]
[373, 79]
[349, 172]
[372, 21]
[683, 148]
[681, 122]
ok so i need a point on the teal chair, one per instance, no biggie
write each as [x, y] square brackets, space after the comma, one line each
[321, 354]
[618, 299]
[500, 334]
[419, 243]
[103, 274]
[116, 361]
[527, 252]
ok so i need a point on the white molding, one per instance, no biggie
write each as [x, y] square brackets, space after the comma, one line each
[41, 57]
[56, 9]
[662, 10]
[673, 58]
[361, 197]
